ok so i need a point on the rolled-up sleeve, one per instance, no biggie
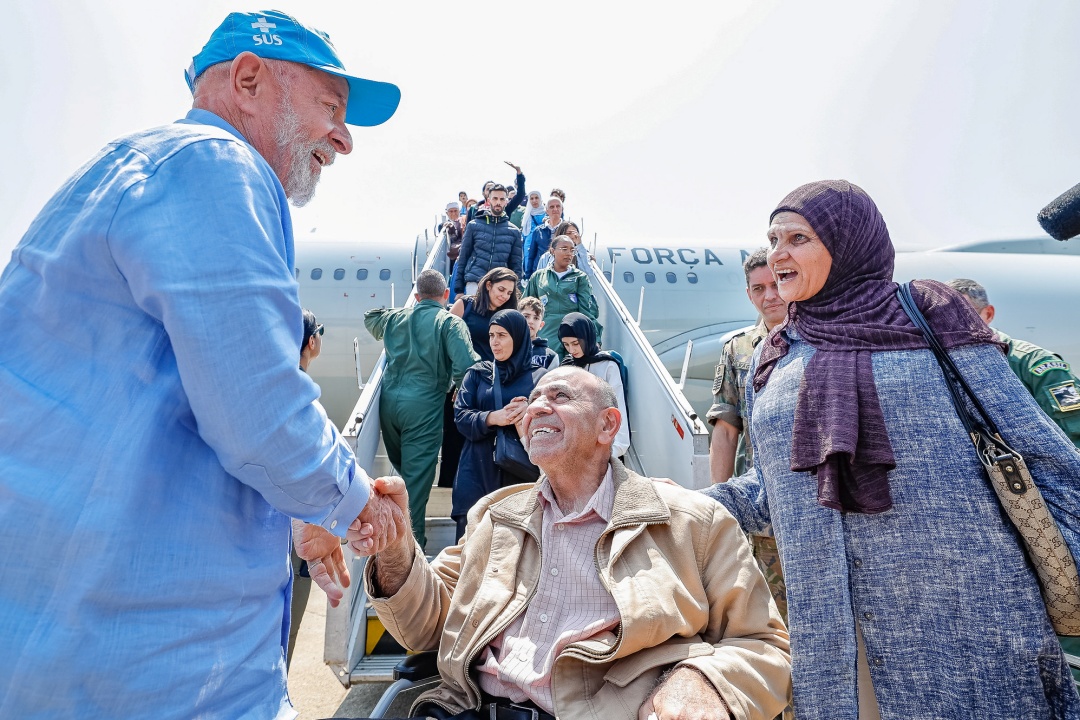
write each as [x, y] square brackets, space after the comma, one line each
[725, 390]
[217, 275]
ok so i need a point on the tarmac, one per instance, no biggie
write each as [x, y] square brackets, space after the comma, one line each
[314, 690]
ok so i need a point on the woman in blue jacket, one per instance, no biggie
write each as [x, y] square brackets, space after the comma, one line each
[478, 418]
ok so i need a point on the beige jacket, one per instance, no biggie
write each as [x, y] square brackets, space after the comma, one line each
[676, 563]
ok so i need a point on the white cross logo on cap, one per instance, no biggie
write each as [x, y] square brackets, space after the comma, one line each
[262, 25]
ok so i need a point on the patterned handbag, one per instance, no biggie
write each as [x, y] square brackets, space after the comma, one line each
[1015, 488]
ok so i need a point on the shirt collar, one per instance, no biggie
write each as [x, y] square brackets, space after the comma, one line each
[599, 504]
[205, 117]
[759, 332]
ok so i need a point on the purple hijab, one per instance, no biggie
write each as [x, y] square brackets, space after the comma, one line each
[839, 432]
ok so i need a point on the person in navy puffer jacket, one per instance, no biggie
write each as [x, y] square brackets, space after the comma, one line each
[490, 241]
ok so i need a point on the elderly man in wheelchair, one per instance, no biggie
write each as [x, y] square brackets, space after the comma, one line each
[593, 593]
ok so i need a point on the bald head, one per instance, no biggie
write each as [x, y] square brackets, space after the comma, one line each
[572, 415]
[595, 389]
[569, 427]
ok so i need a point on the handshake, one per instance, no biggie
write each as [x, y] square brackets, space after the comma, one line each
[382, 522]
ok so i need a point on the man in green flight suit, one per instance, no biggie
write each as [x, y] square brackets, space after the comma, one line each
[427, 349]
[1045, 374]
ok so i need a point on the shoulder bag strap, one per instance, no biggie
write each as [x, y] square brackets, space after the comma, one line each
[955, 381]
[991, 448]
[496, 386]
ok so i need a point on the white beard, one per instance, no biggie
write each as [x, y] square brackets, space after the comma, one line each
[300, 179]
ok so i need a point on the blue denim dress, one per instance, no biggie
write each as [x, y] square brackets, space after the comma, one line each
[948, 605]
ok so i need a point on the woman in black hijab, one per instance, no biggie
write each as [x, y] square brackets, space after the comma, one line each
[476, 414]
[578, 336]
[909, 593]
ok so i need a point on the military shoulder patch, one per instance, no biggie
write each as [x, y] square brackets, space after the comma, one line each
[1066, 396]
[1047, 365]
[718, 378]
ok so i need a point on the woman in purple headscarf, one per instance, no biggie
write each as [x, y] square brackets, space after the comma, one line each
[909, 594]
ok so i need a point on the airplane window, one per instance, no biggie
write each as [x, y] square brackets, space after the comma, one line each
[692, 277]
[607, 275]
[361, 274]
[316, 273]
[650, 277]
[339, 274]
[628, 277]
[384, 274]
[671, 277]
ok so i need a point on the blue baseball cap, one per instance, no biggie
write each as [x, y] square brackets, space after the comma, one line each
[277, 36]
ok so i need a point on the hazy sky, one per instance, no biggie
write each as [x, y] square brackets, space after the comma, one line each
[659, 120]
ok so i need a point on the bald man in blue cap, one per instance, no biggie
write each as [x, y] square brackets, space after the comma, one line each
[157, 432]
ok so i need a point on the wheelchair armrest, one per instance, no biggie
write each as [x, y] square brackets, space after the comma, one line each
[417, 667]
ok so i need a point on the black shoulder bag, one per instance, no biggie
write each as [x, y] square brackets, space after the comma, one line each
[1016, 490]
[510, 454]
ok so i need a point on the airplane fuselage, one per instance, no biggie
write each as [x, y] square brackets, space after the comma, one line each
[685, 291]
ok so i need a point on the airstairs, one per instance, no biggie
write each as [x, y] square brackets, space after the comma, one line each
[667, 440]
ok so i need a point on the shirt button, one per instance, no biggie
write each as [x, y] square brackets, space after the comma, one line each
[858, 563]
[868, 615]
[475, 623]
[879, 662]
[554, 571]
[543, 618]
[333, 525]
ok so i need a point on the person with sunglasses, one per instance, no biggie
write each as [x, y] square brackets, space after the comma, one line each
[311, 348]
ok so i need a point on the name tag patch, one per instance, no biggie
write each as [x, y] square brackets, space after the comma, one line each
[1045, 367]
[573, 297]
[1066, 396]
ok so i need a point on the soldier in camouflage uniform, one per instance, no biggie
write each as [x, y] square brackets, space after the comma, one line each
[730, 452]
[729, 397]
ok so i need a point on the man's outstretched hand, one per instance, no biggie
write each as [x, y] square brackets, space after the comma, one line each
[384, 520]
[326, 562]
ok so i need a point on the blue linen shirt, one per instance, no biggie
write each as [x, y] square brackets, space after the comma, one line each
[155, 433]
[949, 608]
